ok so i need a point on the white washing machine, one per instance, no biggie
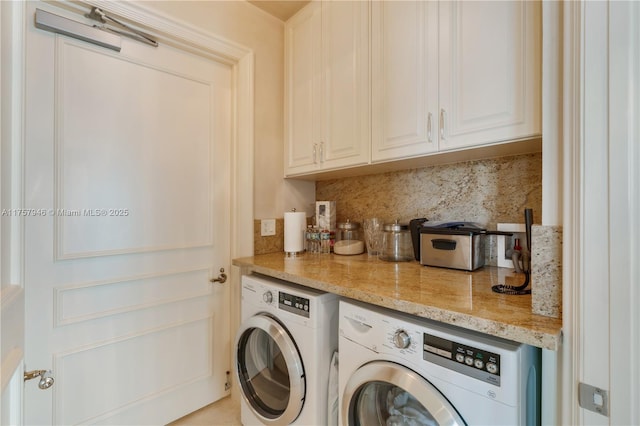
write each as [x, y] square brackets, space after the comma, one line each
[397, 369]
[283, 352]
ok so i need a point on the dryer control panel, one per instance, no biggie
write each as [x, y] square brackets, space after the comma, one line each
[294, 304]
[480, 364]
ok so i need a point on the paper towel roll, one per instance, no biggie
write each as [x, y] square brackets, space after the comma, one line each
[294, 225]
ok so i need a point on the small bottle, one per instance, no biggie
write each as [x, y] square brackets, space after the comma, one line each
[315, 240]
[325, 241]
[307, 239]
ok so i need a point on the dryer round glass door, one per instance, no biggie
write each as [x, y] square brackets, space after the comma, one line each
[383, 393]
[270, 370]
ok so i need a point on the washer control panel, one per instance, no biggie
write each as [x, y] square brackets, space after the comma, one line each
[294, 304]
[474, 362]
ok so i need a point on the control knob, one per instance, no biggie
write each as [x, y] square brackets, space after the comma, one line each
[401, 339]
[267, 297]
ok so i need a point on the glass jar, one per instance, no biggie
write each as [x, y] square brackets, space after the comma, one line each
[349, 239]
[396, 243]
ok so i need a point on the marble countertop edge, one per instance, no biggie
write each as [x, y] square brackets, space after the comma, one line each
[546, 333]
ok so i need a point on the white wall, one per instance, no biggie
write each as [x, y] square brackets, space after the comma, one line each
[245, 24]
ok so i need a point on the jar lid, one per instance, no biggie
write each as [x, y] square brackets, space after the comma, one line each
[395, 227]
[348, 225]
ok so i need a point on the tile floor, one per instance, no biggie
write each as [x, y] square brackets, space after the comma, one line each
[221, 413]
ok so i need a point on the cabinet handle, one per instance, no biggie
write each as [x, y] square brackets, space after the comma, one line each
[429, 119]
[322, 152]
[442, 113]
[315, 152]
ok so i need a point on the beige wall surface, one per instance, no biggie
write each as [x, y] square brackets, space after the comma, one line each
[244, 24]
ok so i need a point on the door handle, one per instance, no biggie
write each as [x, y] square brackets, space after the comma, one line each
[222, 278]
[46, 381]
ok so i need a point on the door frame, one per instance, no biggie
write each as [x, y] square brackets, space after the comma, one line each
[168, 30]
[601, 343]
[12, 286]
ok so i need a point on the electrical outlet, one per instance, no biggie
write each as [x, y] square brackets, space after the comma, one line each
[267, 227]
[505, 243]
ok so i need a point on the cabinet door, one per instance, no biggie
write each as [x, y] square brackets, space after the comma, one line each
[303, 76]
[346, 124]
[490, 72]
[404, 79]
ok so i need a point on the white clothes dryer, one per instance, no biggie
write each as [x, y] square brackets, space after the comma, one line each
[397, 369]
[283, 352]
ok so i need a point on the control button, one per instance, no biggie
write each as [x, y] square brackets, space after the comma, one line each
[492, 368]
[401, 339]
[460, 357]
[468, 360]
[306, 307]
[478, 363]
[267, 297]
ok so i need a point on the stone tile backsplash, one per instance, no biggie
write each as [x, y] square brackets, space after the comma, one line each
[546, 271]
[484, 191]
[487, 191]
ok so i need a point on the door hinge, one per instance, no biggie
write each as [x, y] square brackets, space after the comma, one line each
[593, 399]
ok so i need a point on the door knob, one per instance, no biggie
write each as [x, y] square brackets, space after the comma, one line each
[46, 381]
[222, 278]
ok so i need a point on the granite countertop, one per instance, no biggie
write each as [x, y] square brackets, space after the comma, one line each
[454, 297]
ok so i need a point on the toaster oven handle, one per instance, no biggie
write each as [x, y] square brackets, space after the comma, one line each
[443, 244]
[414, 228]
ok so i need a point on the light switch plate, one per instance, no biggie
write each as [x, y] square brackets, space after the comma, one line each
[267, 227]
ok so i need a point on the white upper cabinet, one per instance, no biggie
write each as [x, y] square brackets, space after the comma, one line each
[303, 74]
[448, 75]
[404, 74]
[489, 72]
[327, 87]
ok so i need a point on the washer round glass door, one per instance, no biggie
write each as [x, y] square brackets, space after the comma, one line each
[269, 370]
[385, 393]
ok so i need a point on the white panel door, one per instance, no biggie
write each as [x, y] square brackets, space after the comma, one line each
[127, 163]
[404, 79]
[489, 68]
